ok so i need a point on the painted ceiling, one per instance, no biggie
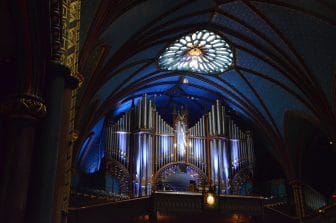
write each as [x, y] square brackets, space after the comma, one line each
[284, 60]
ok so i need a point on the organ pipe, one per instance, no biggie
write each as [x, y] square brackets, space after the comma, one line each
[215, 144]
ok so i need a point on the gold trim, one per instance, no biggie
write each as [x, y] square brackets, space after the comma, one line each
[24, 105]
[80, 79]
[74, 135]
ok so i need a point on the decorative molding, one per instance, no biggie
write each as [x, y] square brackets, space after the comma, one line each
[74, 135]
[24, 105]
[80, 79]
[56, 30]
[70, 19]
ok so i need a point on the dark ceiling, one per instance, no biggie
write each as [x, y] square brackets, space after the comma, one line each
[284, 62]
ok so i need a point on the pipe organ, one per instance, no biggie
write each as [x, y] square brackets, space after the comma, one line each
[231, 149]
[197, 145]
[144, 143]
[164, 142]
[118, 138]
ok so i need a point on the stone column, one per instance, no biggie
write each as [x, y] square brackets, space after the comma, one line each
[19, 118]
[46, 154]
[65, 168]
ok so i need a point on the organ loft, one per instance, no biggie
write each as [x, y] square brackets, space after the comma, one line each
[168, 111]
[142, 153]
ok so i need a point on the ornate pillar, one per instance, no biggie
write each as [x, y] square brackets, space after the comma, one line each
[47, 152]
[65, 20]
[298, 198]
[19, 118]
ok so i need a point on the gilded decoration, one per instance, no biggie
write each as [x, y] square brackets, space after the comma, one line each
[69, 50]
[24, 105]
[80, 79]
[74, 135]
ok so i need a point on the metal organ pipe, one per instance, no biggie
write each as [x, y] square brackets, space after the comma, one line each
[244, 146]
[145, 112]
[213, 120]
[114, 141]
[139, 114]
[223, 121]
[108, 140]
[230, 127]
[150, 114]
[250, 149]
[218, 117]
[210, 124]
[154, 144]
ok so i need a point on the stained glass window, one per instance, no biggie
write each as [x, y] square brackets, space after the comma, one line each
[202, 51]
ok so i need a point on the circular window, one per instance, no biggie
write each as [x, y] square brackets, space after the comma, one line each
[201, 51]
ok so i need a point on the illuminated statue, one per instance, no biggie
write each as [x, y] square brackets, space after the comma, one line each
[181, 138]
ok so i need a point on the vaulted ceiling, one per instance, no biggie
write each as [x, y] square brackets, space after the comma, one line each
[284, 62]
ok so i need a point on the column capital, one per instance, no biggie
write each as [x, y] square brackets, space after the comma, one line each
[72, 81]
[24, 105]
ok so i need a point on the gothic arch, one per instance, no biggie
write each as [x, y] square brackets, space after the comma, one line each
[204, 179]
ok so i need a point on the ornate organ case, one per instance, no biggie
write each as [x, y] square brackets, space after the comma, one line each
[140, 144]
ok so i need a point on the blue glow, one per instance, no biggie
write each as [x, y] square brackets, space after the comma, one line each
[226, 164]
[156, 88]
[122, 108]
[214, 159]
[138, 165]
[165, 144]
[181, 138]
[84, 147]
[198, 147]
[151, 68]
[167, 79]
[234, 153]
[202, 51]
[92, 151]
[115, 82]
[122, 142]
[144, 149]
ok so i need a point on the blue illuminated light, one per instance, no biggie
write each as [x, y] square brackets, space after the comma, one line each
[145, 147]
[122, 142]
[165, 144]
[234, 153]
[92, 151]
[198, 147]
[202, 51]
[181, 138]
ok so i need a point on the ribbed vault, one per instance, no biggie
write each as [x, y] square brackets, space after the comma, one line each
[284, 60]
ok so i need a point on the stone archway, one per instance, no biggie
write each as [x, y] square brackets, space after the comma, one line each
[177, 176]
